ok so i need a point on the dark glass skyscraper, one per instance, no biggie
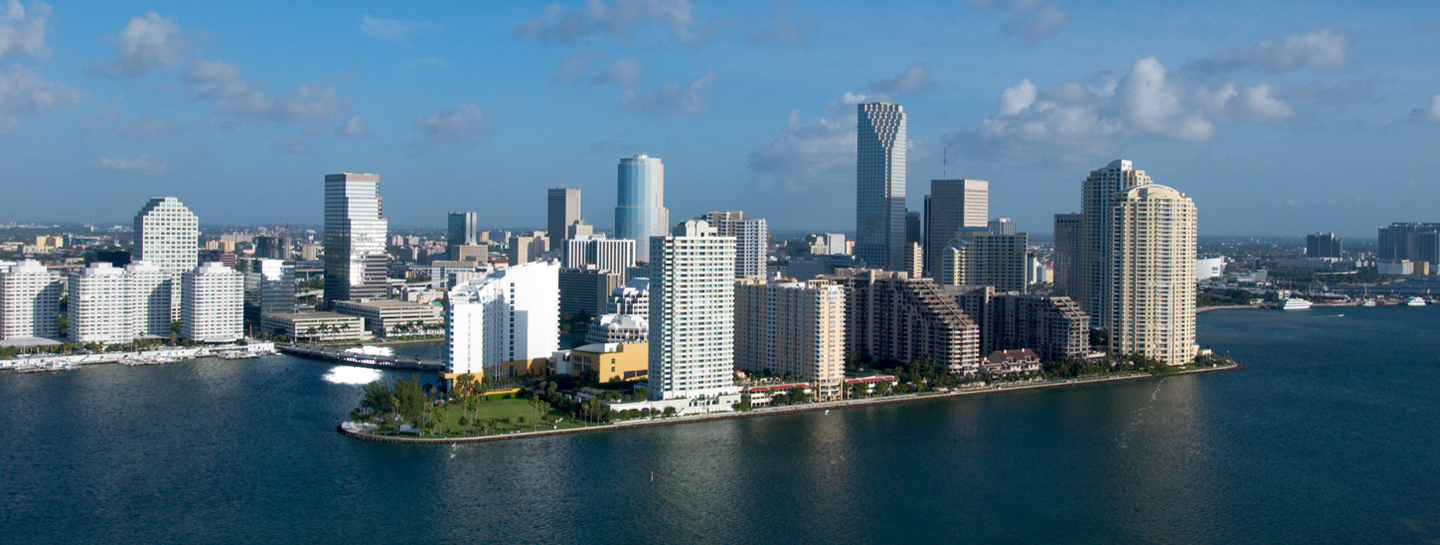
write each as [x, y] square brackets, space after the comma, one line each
[880, 186]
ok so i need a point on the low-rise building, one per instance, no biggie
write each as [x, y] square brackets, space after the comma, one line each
[1010, 362]
[619, 328]
[387, 318]
[315, 326]
[612, 362]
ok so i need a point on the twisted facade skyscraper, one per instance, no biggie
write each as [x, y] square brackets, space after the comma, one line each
[880, 186]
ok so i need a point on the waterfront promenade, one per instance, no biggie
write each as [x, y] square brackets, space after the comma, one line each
[364, 359]
[362, 431]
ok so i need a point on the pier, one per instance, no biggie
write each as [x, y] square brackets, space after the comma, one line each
[340, 355]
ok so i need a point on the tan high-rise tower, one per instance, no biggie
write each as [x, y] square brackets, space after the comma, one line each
[1152, 291]
[1098, 200]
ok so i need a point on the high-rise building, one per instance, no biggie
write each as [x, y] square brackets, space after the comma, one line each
[627, 315]
[792, 328]
[1053, 326]
[978, 257]
[1323, 245]
[913, 230]
[29, 301]
[527, 247]
[880, 186]
[508, 316]
[889, 315]
[1068, 234]
[692, 313]
[355, 227]
[168, 236]
[269, 288]
[213, 304]
[577, 229]
[563, 208]
[640, 203]
[99, 306]
[952, 205]
[460, 230]
[149, 291]
[1098, 198]
[1152, 293]
[914, 260]
[272, 247]
[615, 254]
[586, 290]
[752, 240]
[1002, 226]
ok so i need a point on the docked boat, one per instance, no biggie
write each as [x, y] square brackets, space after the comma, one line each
[1368, 303]
[1415, 302]
[1295, 304]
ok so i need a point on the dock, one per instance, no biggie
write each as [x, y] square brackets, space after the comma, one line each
[340, 355]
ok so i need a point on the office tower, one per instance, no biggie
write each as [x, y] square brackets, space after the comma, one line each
[564, 209]
[309, 252]
[950, 206]
[827, 244]
[889, 315]
[1002, 226]
[640, 203]
[460, 231]
[1097, 203]
[220, 256]
[1152, 295]
[880, 186]
[29, 301]
[1068, 274]
[509, 315]
[912, 228]
[977, 257]
[914, 259]
[213, 304]
[355, 227]
[118, 258]
[615, 254]
[692, 313]
[168, 236]
[792, 328]
[577, 229]
[752, 240]
[272, 247]
[269, 288]
[584, 291]
[627, 315]
[527, 247]
[1324, 245]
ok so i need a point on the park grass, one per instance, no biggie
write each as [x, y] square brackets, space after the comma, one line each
[505, 413]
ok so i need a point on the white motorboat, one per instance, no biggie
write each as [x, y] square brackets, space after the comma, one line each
[1295, 304]
[1415, 302]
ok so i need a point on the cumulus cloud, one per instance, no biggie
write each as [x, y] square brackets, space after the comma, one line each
[1030, 20]
[1326, 49]
[809, 153]
[915, 80]
[619, 20]
[449, 126]
[354, 126]
[672, 98]
[1075, 121]
[394, 30]
[22, 34]
[291, 146]
[141, 164]
[23, 91]
[145, 43]
[221, 83]
[1430, 114]
[787, 30]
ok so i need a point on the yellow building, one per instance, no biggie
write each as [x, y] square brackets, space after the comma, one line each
[612, 361]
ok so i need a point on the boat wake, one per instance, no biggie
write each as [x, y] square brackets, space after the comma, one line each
[1123, 440]
[344, 374]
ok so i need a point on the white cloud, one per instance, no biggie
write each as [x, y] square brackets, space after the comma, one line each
[449, 126]
[810, 153]
[221, 83]
[1030, 20]
[915, 80]
[585, 65]
[394, 30]
[353, 127]
[1146, 100]
[787, 31]
[145, 43]
[672, 98]
[627, 71]
[141, 164]
[1325, 49]
[618, 19]
[291, 146]
[1431, 114]
[23, 91]
[1256, 104]
[23, 34]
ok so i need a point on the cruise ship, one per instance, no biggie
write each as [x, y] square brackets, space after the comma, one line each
[1295, 304]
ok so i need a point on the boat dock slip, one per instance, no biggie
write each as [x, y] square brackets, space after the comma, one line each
[364, 359]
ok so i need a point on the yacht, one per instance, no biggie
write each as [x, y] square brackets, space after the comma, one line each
[1415, 302]
[1295, 304]
[1368, 303]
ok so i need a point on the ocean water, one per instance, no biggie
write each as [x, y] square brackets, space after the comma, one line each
[1331, 434]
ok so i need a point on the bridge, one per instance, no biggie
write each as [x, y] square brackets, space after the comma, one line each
[339, 355]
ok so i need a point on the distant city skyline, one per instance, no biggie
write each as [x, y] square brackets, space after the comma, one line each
[1322, 119]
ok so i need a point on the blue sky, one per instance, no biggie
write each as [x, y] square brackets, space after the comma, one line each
[1281, 118]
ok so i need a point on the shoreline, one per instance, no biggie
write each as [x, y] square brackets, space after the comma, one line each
[349, 429]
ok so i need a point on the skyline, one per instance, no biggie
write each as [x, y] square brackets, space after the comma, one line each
[1333, 110]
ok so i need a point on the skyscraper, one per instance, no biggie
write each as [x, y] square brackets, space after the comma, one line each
[213, 304]
[29, 300]
[950, 206]
[460, 231]
[880, 186]
[692, 313]
[355, 230]
[1067, 254]
[640, 202]
[168, 236]
[510, 315]
[1002, 226]
[912, 228]
[1098, 203]
[1152, 293]
[564, 209]
[979, 257]
[792, 328]
[1322, 245]
[752, 240]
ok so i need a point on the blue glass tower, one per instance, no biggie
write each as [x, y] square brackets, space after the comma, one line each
[640, 203]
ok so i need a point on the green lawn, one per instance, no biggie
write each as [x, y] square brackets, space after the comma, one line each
[505, 415]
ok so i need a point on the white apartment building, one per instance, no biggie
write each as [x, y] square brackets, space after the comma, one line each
[212, 304]
[1152, 303]
[692, 313]
[110, 305]
[29, 301]
[752, 240]
[509, 315]
[792, 328]
[167, 235]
